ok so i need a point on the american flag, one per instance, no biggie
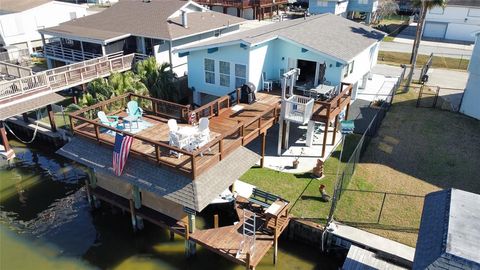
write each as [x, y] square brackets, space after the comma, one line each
[120, 152]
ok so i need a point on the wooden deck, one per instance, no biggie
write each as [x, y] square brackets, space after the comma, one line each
[230, 129]
[226, 241]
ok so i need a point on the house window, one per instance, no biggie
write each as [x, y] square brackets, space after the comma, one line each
[322, 3]
[363, 2]
[351, 66]
[209, 71]
[473, 12]
[437, 10]
[345, 71]
[240, 75]
[225, 74]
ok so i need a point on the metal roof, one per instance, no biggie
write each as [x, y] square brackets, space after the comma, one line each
[158, 19]
[174, 186]
[326, 33]
[449, 235]
[28, 104]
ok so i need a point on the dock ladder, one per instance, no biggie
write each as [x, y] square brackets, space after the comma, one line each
[249, 234]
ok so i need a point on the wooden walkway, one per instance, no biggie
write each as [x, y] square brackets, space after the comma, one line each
[226, 241]
[62, 78]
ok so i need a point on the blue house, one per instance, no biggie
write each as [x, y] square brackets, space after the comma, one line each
[326, 48]
[337, 7]
[344, 8]
[366, 7]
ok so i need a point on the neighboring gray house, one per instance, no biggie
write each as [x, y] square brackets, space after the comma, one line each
[458, 21]
[152, 27]
[449, 236]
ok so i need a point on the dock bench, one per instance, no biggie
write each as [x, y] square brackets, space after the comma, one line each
[262, 198]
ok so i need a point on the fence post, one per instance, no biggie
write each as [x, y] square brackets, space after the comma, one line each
[381, 209]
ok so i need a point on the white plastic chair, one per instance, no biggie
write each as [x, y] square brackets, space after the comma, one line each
[267, 85]
[172, 125]
[176, 141]
[203, 135]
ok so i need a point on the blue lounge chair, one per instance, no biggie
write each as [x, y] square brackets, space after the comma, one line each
[105, 120]
[133, 110]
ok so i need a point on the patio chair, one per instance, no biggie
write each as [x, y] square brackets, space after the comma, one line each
[267, 84]
[104, 119]
[203, 135]
[172, 125]
[182, 143]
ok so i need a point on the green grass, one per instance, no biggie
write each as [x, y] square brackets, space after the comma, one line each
[388, 39]
[438, 61]
[301, 189]
[416, 151]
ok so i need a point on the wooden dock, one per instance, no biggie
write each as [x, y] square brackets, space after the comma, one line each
[226, 241]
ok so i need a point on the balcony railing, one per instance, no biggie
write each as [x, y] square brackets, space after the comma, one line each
[241, 3]
[298, 109]
[60, 52]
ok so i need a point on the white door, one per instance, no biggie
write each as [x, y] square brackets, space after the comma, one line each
[435, 30]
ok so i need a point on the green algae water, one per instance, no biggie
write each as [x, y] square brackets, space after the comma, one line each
[46, 223]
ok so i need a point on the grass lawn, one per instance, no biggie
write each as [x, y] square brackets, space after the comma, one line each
[416, 151]
[438, 61]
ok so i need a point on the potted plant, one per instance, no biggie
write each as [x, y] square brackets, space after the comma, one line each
[296, 159]
[378, 103]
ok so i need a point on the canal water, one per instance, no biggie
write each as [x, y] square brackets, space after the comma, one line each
[46, 223]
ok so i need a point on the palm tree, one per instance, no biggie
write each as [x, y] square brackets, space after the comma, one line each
[127, 82]
[159, 79]
[424, 5]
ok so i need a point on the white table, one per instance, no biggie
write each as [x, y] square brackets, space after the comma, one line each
[323, 89]
[130, 120]
[187, 131]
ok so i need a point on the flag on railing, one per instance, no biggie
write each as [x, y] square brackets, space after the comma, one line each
[120, 152]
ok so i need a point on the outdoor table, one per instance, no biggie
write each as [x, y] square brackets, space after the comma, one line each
[275, 208]
[130, 120]
[322, 89]
[187, 131]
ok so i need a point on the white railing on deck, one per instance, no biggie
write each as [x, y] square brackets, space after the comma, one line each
[298, 109]
[14, 70]
[65, 77]
[51, 50]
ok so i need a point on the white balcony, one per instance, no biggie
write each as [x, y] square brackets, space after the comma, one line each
[53, 50]
[298, 109]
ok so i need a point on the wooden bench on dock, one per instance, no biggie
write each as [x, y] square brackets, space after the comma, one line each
[262, 198]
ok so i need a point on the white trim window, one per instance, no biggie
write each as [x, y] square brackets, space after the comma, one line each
[224, 73]
[209, 68]
[240, 75]
[363, 2]
[351, 66]
[322, 3]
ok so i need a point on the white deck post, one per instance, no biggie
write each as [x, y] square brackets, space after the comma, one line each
[190, 246]
[83, 52]
[137, 204]
[310, 131]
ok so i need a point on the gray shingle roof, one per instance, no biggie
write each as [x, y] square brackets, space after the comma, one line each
[20, 5]
[196, 194]
[326, 33]
[449, 236]
[138, 18]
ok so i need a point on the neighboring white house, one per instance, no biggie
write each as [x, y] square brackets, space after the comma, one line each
[151, 27]
[457, 21]
[471, 98]
[344, 51]
[20, 20]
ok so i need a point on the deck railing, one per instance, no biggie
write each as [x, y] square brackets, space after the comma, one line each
[14, 70]
[60, 52]
[64, 77]
[85, 123]
[241, 3]
[326, 109]
[298, 109]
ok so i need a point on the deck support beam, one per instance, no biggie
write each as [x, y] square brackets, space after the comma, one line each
[310, 133]
[3, 135]
[335, 127]
[137, 201]
[133, 215]
[262, 150]
[190, 246]
[51, 118]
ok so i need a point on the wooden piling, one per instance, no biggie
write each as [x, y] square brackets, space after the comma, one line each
[262, 150]
[51, 118]
[133, 215]
[215, 221]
